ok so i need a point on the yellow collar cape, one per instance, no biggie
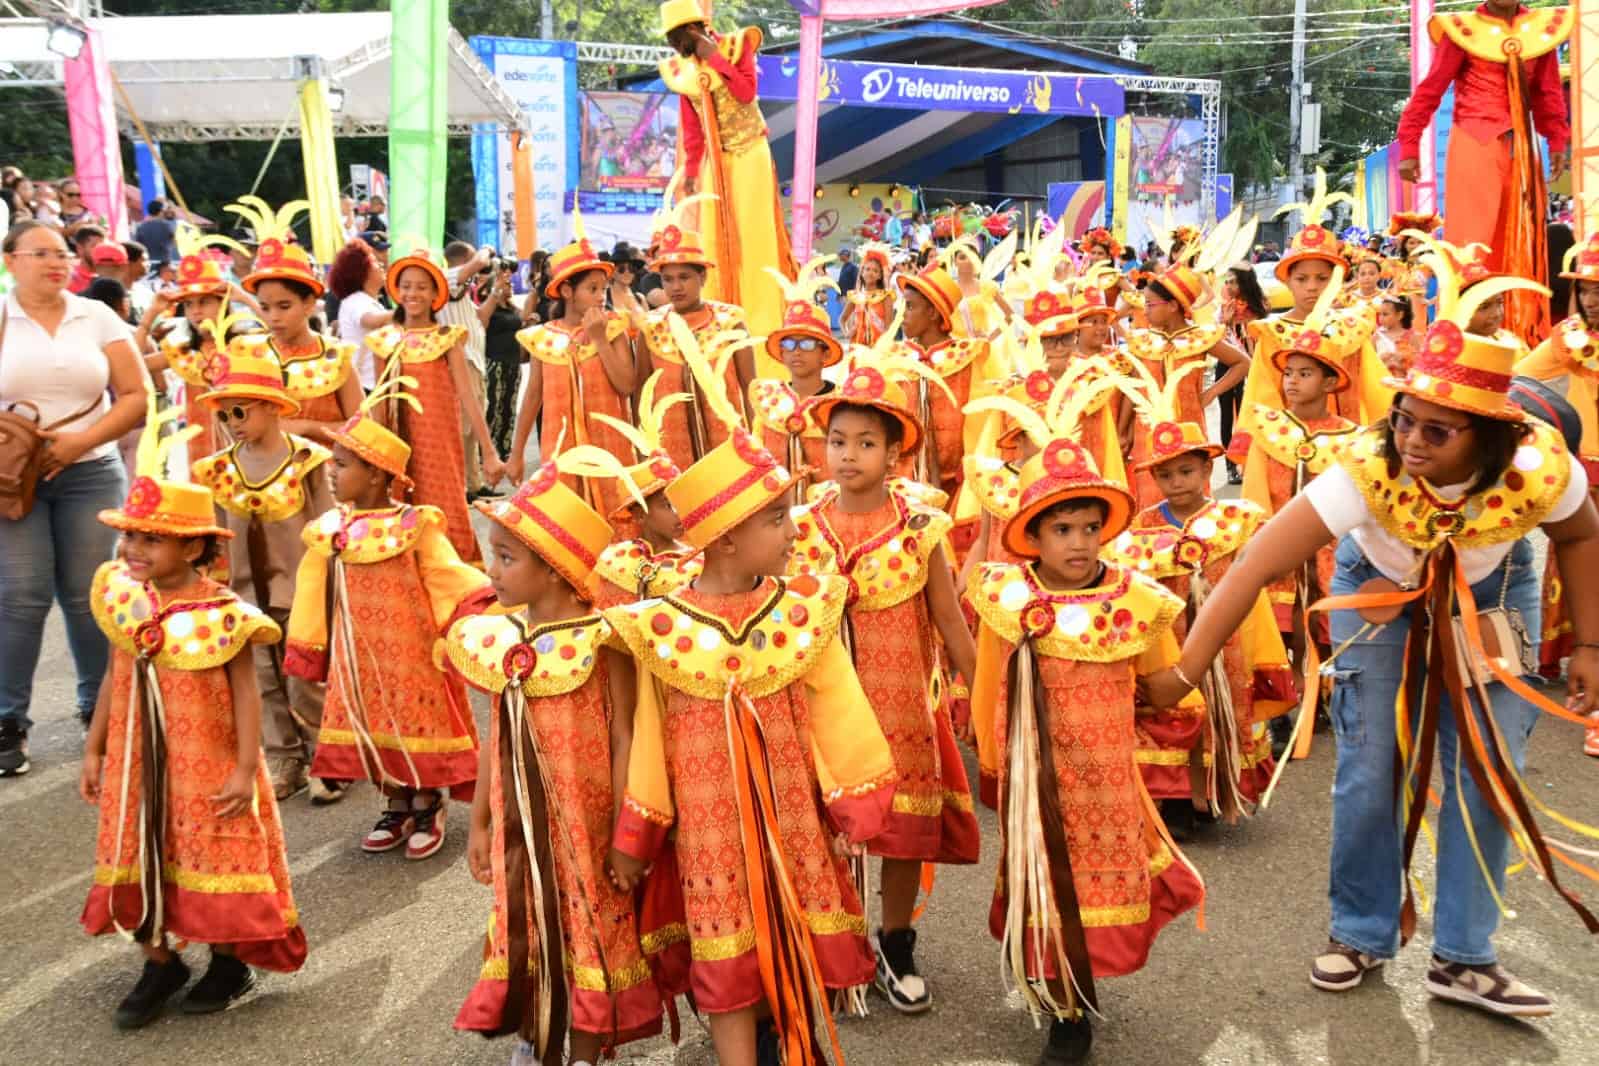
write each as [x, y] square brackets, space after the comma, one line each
[1436, 655]
[1528, 35]
[631, 565]
[888, 567]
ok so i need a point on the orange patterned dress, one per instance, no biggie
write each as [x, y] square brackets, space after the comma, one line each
[193, 365]
[575, 386]
[374, 592]
[966, 366]
[1177, 745]
[687, 422]
[630, 570]
[884, 555]
[716, 666]
[1086, 648]
[438, 457]
[874, 308]
[549, 685]
[220, 881]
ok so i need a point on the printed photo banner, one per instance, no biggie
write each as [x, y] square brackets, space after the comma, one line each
[918, 88]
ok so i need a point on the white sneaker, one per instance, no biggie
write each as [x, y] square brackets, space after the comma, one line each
[897, 978]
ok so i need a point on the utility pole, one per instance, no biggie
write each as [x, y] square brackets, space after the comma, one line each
[547, 19]
[1296, 101]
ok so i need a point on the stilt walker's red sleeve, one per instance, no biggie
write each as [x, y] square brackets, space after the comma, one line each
[1447, 60]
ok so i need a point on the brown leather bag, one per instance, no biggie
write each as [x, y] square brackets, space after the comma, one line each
[22, 447]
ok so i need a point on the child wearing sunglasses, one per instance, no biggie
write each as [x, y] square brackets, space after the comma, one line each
[804, 345]
[268, 485]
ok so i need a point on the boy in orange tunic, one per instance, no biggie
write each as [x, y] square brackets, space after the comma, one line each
[189, 843]
[392, 716]
[1061, 642]
[804, 346]
[888, 543]
[563, 946]
[753, 737]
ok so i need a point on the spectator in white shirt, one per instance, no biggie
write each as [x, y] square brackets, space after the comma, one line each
[356, 278]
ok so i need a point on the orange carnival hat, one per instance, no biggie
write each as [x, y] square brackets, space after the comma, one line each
[1158, 408]
[1313, 241]
[1582, 261]
[154, 504]
[1311, 340]
[373, 442]
[869, 383]
[1100, 240]
[277, 257]
[1185, 286]
[1455, 368]
[938, 287]
[655, 470]
[1051, 311]
[801, 315]
[1425, 221]
[243, 371]
[200, 275]
[672, 240]
[423, 260]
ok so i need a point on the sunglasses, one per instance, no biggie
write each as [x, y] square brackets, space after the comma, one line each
[799, 344]
[1434, 433]
[236, 413]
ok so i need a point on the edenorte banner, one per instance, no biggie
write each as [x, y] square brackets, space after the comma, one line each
[844, 82]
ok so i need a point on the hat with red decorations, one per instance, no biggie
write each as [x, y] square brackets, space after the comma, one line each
[1314, 241]
[1051, 311]
[1582, 261]
[803, 320]
[939, 289]
[154, 504]
[1061, 471]
[277, 257]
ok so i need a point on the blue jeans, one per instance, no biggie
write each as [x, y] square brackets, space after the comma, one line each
[1366, 877]
[52, 555]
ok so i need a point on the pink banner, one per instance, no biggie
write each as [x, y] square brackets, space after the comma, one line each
[879, 9]
[1425, 192]
[92, 120]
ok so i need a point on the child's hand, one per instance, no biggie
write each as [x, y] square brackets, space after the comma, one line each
[479, 854]
[493, 470]
[237, 793]
[625, 871]
[846, 848]
[1163, 689]
[89, 778]
[594, 321]
[514, 470]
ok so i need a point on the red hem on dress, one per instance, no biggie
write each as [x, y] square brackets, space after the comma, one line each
[252, 923]
[456, 771]
[1164, 782]
[305, 661]
[663, 926]
[1253, 782]
[638, 1012]
[864, 817]
[907, 836]
[988, 789]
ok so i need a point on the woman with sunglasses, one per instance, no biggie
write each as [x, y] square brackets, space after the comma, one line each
[1431, 508]
[69, 362]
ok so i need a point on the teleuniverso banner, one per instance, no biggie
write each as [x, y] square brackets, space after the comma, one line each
[945, 88]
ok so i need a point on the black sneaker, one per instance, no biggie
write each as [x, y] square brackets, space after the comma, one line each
[157, 984]
[897, 978]
[13, 749]
[1069, 1042]
[1181, 819]
[226, 980]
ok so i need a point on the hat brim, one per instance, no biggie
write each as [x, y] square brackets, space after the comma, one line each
[1119, 513]
[1209, 450]
[553, 289]
[1280, 357]
[928, 293]
[120, 520]
[774, 339]
[583, 582]
[441, 284]
[187, 291]
[1285, 264]
[371, 458]
[213, 400]
[313, 282]
[1059, 324]
[1509, 411]
[822, 411]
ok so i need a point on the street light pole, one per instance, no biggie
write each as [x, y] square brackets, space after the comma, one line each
[1296, 105]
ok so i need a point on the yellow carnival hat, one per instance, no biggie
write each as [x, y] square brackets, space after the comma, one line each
[868, 386]
[1051, 310]
[656, 468]
[243, 371]
[737, 477]
[1311, 340]
[424, 261]
[1034, 390]
[939, 289]
[371, 441]
[576, 258]
[277, 257]
[675, 13]
[1459, 369]
[554, 521]
[801, 316]
[1582, 261]
[200, 275]
[1168, 440]
[1091, 302]
[1313, 241]
[155, 505]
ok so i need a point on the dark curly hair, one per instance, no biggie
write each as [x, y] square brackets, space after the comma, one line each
[349, 269]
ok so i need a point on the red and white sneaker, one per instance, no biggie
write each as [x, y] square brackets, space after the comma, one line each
[392, 830]
[1590, 741]
[427, 832]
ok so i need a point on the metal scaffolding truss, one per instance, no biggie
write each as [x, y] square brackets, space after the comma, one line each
[1208, 90]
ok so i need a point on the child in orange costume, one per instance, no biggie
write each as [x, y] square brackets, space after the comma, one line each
[655, 562]
[391, 716]
[753, 737]
[869, 306]
[1217, 761]
[189, 842]
[434, 356]
[201, 295]
[1060, 644]
[889, 544]
[804, 346]
[563, 946]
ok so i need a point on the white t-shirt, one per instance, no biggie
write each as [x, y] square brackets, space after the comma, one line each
[352, 309]
[1342, 508]
[463, 312]
[66, 373]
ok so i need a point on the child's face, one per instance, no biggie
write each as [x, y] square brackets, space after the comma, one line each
[415, 292]
[1588, 300]
[1367, 274]
[1387, 315]
[1058, 351]
[284, 310]
[1306, 279]
[1163, 313]
[160, 560]
[1092, 333]
[802, 356]
[588, 292]
[515, 571]
[1488, 318]
[1184, 481]
[350, 477]
[682, 284]
[1305, 381]
[859, 456]
[660, 518]
[1067, 541]
[251, 421]
[199, 310]
[920, 318]
[763, 542]
[871, 274]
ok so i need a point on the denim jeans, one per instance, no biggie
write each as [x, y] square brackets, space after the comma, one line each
[52, 555]
[1366, 876]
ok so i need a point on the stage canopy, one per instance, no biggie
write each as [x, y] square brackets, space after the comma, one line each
[236, 77]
